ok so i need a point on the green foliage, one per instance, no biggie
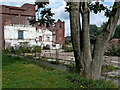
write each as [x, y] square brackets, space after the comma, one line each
[93, 33]
[117, 32]
[96, 31]
[41, 4]
[68, 49]
[54, 62]
[22, 50]
[89, 83]
[108, 68]
[45, 14]
[47, 47]
[29, 56]
[37, 49]
[97, 7]
[68, 42]
[12, 50]
[32, 21]
[7, 50]
[113, 51]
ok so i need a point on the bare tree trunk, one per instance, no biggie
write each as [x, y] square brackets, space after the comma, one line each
[85, 39]
[101, 42]
[75, 33]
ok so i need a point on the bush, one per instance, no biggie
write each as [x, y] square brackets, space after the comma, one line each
[12, 50]
[118, 52]
[47, 47]
[68, 49]
[113, 51]
[7, 50]
[37, 49]
[54, 62]
[29, 57]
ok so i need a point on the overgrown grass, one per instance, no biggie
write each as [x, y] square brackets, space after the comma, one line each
[18, 73]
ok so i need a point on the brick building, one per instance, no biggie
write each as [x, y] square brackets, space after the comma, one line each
[12, 16]
[15, 15]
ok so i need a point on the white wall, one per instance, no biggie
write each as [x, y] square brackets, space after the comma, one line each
[30, 34]
[11, 34]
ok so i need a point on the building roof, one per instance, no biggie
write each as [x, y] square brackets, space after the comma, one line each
[26, 5]
[23, 8]
[12, 7]
[59, 21]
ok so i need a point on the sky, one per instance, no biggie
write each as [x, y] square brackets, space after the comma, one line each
[58, 7]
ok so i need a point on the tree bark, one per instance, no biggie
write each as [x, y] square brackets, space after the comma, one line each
[89, 65]
[101, 42]
[75, 33]
[85, 42]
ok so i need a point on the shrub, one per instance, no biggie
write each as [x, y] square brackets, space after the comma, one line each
[68, 49]
[113, 51]
[12, 50]
[54, 62]
[118, 52]
[47, 47]
[29, 57]
[37, 49]
[7, 50]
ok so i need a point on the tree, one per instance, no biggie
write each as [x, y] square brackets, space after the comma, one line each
[44, 14]
[93, 33]
[117, 32]
[87, 63]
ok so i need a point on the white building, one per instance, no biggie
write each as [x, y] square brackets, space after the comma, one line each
[28, 35]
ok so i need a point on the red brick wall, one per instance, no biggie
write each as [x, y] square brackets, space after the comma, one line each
[60, 33]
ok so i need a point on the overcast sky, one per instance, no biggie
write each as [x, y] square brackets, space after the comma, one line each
[58, 7]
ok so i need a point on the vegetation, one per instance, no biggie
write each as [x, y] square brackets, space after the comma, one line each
[113, 51]
[68, 40]
[18, 73]
[47, 47]
[68, 49]
[87, 63]
[117, 32]
[108, 68]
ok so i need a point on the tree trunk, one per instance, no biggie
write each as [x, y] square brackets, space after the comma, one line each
[85, 40]
[101, 42]
[75, 33]
[89, 64]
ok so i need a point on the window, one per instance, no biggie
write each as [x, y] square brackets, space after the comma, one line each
[40, 38]
[60, 25]
[47, 25]
[48, 38]
[20, 34]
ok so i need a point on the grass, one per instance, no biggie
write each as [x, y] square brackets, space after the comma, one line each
[18, 73]
[108, 68]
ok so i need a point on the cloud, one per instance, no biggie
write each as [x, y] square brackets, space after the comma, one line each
[97, 19]
[18, 5]
[59, 10]
[17, 1]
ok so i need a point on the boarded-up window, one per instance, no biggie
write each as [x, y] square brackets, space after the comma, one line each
[40, 38]
[20, 34]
